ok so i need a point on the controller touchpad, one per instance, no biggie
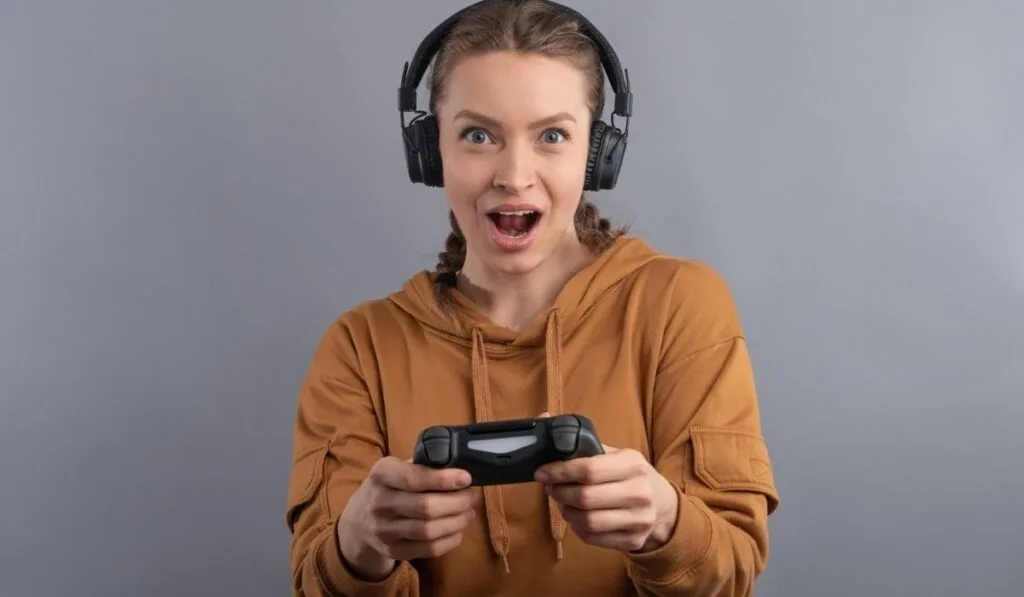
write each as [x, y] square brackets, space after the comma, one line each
[501, 445]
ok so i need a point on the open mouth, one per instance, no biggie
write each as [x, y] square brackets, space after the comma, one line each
[514, 223]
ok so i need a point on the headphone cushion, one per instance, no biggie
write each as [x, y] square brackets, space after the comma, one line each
[430, 154]
[592, 179]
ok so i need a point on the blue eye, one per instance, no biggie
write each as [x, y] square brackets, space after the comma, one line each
[555, 135]
[475, 136]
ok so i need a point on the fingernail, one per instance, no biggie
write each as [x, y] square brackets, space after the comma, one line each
[465, 479]
[541, 477]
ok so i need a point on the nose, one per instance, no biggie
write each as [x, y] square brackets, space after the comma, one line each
[515, 170]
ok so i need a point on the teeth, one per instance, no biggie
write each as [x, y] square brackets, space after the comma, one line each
[516, 213]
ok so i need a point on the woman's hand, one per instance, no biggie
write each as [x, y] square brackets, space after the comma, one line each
[615, 500]
[404, 511]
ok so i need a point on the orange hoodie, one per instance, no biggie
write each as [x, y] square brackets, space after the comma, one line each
[648, 346]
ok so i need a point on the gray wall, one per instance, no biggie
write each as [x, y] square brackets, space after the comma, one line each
[190, 191]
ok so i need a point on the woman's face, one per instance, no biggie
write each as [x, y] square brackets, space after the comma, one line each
[514, 136]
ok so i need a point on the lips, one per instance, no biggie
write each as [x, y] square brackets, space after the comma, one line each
[515, 222]
[514, 227]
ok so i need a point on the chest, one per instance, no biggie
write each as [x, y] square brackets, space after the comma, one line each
[608, 378]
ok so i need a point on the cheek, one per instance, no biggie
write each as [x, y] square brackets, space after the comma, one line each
[565, 184]
[465, 178]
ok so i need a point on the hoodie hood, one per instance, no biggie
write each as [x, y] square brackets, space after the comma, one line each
[470, 328]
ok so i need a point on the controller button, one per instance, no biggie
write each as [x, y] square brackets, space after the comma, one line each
[564, 439]
[436, 433]
[436, 444]
[437, 450]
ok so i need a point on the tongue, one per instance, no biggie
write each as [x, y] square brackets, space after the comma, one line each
[514, 223]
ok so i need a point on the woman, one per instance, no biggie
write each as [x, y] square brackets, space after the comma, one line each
[537, 305]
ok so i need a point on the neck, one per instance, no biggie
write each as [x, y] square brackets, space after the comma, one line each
[514, 300]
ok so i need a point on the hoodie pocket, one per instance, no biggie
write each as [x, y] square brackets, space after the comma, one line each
[732, 460]
[307, 477]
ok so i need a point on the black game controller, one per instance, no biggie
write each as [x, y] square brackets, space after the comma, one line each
[506, 452]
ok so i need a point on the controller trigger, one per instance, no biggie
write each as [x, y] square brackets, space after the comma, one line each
[565, 432]
[437, 445]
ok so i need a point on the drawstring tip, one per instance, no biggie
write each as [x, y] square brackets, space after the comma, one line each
[559, 551]
[504, 561]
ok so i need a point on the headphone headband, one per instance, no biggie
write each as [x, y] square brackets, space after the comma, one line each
[412, 73]
[607, 143]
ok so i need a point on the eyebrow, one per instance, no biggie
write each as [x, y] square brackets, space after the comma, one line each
[559, 117]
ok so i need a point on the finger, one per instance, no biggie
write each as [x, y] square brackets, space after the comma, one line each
[611, 520]
[406, 476]
[428, 506]
[603, 468]
[408, 529]
[617, 494]
[411, 550]
[624, 541]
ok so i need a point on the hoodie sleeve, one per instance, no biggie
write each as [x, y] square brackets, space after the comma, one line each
[337, 440]
[707, 441]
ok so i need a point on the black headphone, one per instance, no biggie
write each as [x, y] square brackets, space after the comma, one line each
[420, 136]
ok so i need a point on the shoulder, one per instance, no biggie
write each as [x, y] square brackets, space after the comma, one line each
[360, 333]
[684, 286]
[685, 279]
[687, 299]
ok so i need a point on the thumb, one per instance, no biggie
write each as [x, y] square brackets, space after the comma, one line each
[544, 415]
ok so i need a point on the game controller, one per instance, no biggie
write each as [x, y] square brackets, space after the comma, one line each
[509, 451]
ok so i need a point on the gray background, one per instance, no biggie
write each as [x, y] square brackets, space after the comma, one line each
[191, 191]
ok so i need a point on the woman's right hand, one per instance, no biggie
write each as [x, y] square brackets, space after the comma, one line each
[404, 511]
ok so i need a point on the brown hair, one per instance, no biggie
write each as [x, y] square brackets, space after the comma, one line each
[529, 27]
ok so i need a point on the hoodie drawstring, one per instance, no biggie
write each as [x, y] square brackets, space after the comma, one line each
[494, 505]
[553, 348]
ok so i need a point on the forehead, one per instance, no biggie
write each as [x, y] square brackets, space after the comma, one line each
[516, 87]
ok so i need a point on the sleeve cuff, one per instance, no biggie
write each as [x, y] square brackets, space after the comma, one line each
[339, 579]
[685, 549]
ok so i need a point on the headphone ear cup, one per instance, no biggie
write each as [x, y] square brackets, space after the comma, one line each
[607, 148]
[423, 153]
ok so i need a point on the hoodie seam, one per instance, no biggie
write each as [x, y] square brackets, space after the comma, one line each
[663, 367]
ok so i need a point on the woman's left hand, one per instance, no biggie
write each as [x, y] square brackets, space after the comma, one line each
[615, 500]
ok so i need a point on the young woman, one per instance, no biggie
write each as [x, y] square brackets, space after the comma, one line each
[537, 305]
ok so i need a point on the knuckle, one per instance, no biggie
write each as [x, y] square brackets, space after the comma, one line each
[642, 497]
[585, 498]
[416, 531]
[434, 549]
[426, 508]
[433, 531]
[376, 529]
[426, 531]
[379, 506]
[374, 500]
[410, 480]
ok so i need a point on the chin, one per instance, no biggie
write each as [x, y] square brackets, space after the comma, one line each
[515, 264]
